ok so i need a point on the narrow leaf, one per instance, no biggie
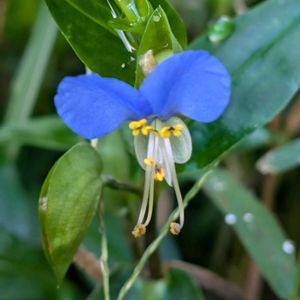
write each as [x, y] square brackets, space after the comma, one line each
[45, 132]
[257, 229]
[281, 159]
[27, 81]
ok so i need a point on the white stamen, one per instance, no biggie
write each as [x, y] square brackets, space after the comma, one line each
[168, 154]
[148, 178]
[151, 196]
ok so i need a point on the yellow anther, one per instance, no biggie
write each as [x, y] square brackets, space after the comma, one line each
[177, 130]
[149, 161]
[147, 129]
[159, 173]
[136, 126]
[165, 132]
[135, 132]
[175, 228]
[139, 230]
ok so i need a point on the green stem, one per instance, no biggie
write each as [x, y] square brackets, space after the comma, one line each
[104, 252]
[155, 244]
[115, 184]
[128, 8]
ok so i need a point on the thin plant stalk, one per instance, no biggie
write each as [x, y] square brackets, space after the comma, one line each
[104, 253]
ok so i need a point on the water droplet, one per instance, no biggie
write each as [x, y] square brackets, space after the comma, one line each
[288, 247]
[230, 219]
[248, 217]
[123, 65]
[219, 186]
[221, 29]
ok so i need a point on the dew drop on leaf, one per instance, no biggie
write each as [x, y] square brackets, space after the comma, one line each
[248, 217]
[230, 219]
[288, 247]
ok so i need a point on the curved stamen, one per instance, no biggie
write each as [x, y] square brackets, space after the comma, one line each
[168, 154]
[148, 178]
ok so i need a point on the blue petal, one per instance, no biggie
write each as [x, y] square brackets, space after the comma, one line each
[93, 106]
[192, 83]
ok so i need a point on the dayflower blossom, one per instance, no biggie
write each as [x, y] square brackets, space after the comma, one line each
[193, 84]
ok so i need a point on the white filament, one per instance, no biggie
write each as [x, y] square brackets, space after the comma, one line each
[148, 178]
[170, 161]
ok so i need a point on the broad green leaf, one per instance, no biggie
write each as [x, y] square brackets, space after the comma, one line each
[176, 23]
[85, 26]
[158, 38]
[281, 159]
[265, 75]
[67, 204]
[257, 229]
[45, 132]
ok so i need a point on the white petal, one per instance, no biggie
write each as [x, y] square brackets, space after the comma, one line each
[181, 145]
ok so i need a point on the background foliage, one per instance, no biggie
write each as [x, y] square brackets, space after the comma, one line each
[242, 233]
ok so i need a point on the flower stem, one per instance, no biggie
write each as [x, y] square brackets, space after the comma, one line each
[104, 252]
[155, 244]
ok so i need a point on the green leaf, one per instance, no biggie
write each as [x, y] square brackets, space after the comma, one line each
[281, 159]
[45, 132]
[265, 75]
[27, 81]
[257, 139]
[85, 25]
[32, 68]
[257, 229]
[176, 23]
[67, 204]
[157, 37]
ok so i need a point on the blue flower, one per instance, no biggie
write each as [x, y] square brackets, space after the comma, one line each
[193, 84]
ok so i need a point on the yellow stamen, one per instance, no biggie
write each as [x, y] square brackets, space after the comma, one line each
[147, 129]
[165, 132]
[139, 230]
[136, 126]
[175, 228]
[149, 161]
[135, 132]
[159, 173]
[177, 130]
